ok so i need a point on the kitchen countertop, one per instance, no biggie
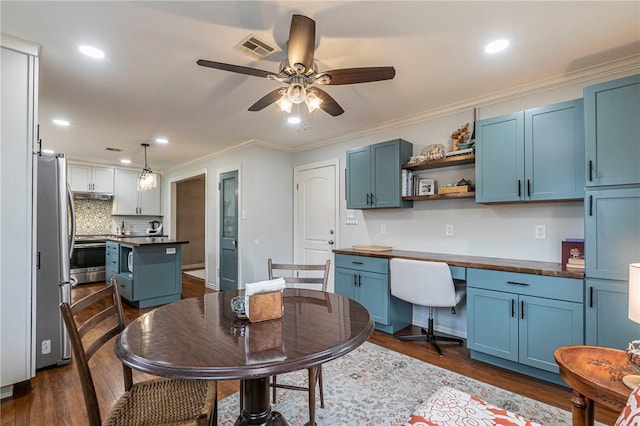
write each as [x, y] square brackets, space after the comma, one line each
[139, 241]
[497, 264]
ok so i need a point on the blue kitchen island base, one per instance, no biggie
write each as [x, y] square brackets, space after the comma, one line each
[148, 270]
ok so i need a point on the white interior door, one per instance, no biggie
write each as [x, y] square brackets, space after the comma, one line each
[315, 218]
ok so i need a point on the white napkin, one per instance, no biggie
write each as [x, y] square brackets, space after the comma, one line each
[261, 287]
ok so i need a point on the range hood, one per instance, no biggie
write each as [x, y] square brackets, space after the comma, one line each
[93, 195]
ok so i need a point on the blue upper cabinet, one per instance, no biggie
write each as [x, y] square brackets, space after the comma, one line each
[533, 155]
[500, 158]
[374, 173]
[612, 124]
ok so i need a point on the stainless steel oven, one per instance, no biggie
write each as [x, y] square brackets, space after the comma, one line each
[88, 258]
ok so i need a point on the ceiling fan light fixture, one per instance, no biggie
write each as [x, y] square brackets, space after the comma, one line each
[296, 93]
[284, 103]
[313, 101]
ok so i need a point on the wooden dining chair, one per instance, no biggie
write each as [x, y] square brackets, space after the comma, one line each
[93, 321]
[302, 274]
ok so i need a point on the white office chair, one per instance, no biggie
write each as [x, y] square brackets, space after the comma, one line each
[426, 284]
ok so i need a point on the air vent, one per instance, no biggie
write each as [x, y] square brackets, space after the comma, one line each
[255, 47]
[114, 149]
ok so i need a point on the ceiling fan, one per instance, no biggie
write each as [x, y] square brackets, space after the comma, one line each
[300, 74]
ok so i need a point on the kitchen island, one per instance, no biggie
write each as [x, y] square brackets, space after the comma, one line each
[148, 269]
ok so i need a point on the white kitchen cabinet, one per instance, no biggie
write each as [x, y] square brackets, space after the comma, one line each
[90, 179]
[19, 82]
[127, 200]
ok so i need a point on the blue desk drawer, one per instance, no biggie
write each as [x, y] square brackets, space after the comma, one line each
[363, 263]
[458, 272]
[125, 285]
[569, 289]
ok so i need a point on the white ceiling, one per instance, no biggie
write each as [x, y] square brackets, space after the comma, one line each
[149, 84]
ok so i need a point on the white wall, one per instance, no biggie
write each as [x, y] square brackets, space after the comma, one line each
[266, 203]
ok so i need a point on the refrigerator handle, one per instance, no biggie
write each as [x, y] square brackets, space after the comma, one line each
[72, 235]
[65, 289]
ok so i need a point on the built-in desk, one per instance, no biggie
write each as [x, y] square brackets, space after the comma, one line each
[518, 311]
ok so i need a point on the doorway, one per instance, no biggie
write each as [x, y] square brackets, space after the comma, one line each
[191, 223]
[315, 220]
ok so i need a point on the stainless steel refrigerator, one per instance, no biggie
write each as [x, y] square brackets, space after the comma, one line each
[55, 228]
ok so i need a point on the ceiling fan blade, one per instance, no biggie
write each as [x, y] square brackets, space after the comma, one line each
[234, 68]
[302, 40]
[267, 100]
[357, 75]
[328, 105]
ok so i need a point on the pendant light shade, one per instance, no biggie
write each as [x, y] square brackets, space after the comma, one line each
[147, 179]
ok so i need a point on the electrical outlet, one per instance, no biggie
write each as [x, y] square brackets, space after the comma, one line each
[448, 230]
[383, 228]
[46, 347]
[541, 232]
[351, 214]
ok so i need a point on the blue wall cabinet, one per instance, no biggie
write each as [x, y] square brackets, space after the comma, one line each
[374, 173]
[510, 315]
[533, 155]
[366, 280]
[613, 132]
[606, 320]
[612, 232]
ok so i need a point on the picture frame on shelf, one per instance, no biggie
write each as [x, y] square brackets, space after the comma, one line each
[426, 186]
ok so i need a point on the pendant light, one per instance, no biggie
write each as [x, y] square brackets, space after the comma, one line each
[147, 179]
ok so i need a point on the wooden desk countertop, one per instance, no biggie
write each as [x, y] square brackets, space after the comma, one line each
[497, 264]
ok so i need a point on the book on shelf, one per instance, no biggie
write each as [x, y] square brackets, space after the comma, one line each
[460, 152]
[574, 266]
[576, 260]
[572, 249]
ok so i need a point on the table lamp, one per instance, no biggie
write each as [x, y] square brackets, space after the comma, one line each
[632, 381]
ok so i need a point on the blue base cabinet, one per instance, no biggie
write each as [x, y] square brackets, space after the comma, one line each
[606, 320]
[517, 321]
[366, 280]
[532, 155]
[374, 173]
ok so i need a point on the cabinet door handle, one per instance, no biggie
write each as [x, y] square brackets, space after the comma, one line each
[355, 280]
[528, 188]
[590, 170]
[591, 297]
[359, 280]
[517, 283]
[519, 189]
[368, 199]
[513, 308]
[590, 205]
[522, 309]
[372, 202]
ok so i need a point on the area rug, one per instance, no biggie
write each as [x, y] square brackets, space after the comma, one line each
[376, 386]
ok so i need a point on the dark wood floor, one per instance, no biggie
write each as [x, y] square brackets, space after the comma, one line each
[54, 396]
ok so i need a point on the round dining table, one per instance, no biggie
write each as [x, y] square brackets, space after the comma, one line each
[202, 338]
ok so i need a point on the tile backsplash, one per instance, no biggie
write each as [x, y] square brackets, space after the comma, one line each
[93, 217]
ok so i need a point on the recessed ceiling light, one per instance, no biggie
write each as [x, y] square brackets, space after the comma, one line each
[48, 151]
[92, 52]
[293, 120]
[496, 46]
[125, 161]
[60, 122]
[162, 140]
